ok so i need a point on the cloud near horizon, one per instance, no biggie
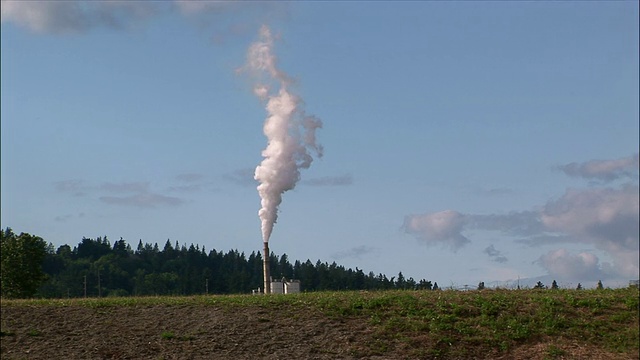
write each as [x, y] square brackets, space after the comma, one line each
[563, 265]
[604, 217]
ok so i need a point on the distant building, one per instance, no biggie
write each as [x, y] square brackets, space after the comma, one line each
[292, 287]
[277, 287]
[285, 286]
[634, 283]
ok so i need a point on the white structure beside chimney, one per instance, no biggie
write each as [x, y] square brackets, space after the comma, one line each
[292, 287]
[285, 286]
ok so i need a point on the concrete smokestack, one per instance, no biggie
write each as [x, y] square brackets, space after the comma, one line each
[265, 269]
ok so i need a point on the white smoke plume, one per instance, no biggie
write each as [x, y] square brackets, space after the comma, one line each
[291, 134]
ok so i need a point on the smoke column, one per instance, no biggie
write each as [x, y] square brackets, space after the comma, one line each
[290, 132]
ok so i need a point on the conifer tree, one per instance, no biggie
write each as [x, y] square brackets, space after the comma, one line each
[539, 285]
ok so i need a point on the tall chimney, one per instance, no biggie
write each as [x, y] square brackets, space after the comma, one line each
[265, 269]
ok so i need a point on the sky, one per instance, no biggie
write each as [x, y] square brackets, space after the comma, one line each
[456, 142]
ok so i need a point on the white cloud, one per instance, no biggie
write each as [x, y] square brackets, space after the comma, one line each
[447, 226]
[607, 218]
[223, 19]
[443, 227]
[604, 217]
[230, 19]
[563, 265]
[606, 170]
[191, 7]
[75, 16]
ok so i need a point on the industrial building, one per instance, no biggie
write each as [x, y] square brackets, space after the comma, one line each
[285, 286]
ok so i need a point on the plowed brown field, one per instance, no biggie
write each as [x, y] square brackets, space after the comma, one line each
[192, 331]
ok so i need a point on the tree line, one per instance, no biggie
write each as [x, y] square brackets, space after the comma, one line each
[96, 267]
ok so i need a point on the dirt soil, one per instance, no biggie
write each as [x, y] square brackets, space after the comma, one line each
[207, 332]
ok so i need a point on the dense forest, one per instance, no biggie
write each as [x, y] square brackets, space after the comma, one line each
[95, 267]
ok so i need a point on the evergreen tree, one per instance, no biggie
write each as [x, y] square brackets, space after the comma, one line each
[400, 283]
[539, 285]
[579, 287]
[425, 285]
[554, 285]
[120, 248]
[600, 287]
[481, 285]
[411, 284]
[93, 249]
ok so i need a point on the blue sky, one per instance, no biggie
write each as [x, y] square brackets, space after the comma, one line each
[463, 141]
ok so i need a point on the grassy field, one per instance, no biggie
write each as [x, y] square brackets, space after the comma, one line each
[536, 324]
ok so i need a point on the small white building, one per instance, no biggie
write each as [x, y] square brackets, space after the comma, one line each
[277, 287]
[292, 287]
[285, 286]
